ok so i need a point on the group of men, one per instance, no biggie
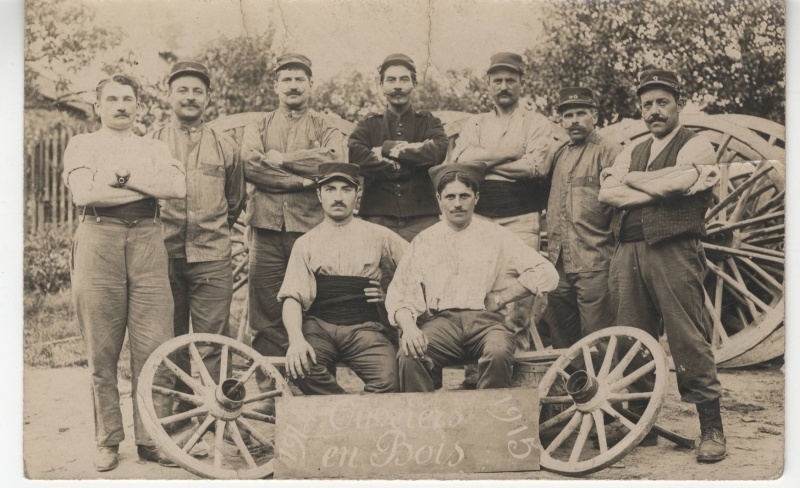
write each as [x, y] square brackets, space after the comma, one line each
[326, 286]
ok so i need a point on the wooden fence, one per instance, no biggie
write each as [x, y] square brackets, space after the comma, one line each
[47, 199]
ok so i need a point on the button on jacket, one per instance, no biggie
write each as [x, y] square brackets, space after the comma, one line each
[403, 189]
[198, 227]
[578, 225]
[277, 198]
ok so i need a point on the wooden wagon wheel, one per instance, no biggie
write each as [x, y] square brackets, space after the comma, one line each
[219, 405]
[239, 254]
[596, 392]
[745, 226]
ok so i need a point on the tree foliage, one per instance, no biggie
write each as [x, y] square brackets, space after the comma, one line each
[730, 53]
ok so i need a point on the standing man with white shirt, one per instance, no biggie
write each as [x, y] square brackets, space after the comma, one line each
[119, 266]
[660, 191]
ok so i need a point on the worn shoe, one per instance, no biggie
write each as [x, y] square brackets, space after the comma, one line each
[615, 433]
[154, 455]
[712, 446]
[106, 458]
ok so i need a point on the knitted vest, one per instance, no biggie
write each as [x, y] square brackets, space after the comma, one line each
[678, 216]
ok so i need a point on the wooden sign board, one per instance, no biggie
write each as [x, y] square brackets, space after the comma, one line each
[404, 435]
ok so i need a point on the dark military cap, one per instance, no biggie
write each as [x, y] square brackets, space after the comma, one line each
[512, 61]
[191, 68]
[472, 171]
[293, 58]
[397, 58]
[658, 78]
[576, 95]
[330, 171]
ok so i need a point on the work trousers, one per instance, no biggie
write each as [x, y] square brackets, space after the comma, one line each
[665, 281]
[119, 283]
[364, 348]
[201, 292]
[580, 305]
[456, 337]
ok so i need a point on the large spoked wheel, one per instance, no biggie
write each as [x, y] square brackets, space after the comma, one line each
[612, 359]
[744, 291]
[222, 412]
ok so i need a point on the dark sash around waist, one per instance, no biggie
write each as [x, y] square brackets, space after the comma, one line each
[511, 198]
[631, 229]
[140, 209]
[340, 300]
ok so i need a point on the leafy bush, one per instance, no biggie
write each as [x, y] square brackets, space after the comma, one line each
[46, 259]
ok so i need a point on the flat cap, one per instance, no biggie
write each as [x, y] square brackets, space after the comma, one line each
[655, 78]
[512, 61]
[472, 171]
[191, 68]
[397, 58]
[330, 171]
[576, 95]
[293, 58]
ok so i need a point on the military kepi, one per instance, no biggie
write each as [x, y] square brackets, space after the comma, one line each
[512, 61]
[576, 95]
[189, 68]
[658, 78]
[295, 59]
[345, 171]
[397, 58]
[472, 171]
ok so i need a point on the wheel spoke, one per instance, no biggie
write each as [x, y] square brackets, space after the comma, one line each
[619, 370]
[606, 407]
[237, 439]
[223, 364]
[564, 434]
[600, 428]
[200, 365]
[769, 252]
[719, 330]
[556, 400]
[219, 432]
[246, 376]
[759, 253]
[263, 396]
[627, 397]
[611, 350]
[778, 229]
[190, 443]
[731, 282]
[580, 441]
[735, 193]
[738, 276]
[249, 414]
[562, 373]
[563, 416]
[195, 385]
[760, 271]
[179, 395]
[587, 360]
[745, 223]
[183, 415]
[258, 436]
[240, 267]
[631, 378]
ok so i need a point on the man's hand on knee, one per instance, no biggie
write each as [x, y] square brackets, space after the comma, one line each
[297, 358]
[414, 342]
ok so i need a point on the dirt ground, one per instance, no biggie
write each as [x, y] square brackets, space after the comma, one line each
[58, 432]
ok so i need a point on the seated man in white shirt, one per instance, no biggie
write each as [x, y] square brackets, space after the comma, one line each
[453, 281]
[331, 293]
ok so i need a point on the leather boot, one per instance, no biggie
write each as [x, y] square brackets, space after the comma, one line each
[154, 455]
[106, 458]
[712, 446]
[638, 407]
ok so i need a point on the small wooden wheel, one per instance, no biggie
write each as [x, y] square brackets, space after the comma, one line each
[218, 406]
[593, 394]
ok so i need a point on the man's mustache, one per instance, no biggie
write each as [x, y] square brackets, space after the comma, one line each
[656, 118]
[339, 204]
[293, 92]
[191, 104]
[505, 92]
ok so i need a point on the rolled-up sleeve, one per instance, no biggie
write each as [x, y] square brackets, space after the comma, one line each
[299, 282]
[536, 273]
[539, 146]
[77, 156]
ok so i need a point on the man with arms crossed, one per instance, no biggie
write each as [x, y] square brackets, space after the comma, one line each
[197, 227]
[516, 144]
[452, 282]
[660, 191]
[119, 266]
[281, 154]
[395, 150]
[332, 292]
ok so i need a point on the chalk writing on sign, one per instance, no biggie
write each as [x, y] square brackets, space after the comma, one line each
[391, 436]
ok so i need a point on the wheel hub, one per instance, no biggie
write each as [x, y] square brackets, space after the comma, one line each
[586, 391]
[228, 400]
